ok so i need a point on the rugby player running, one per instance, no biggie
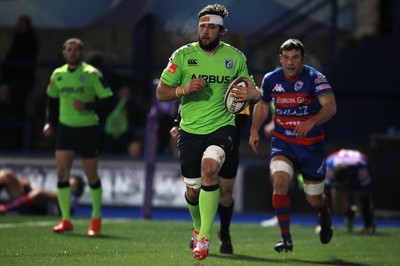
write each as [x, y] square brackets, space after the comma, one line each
[303, 100]
[199, 74]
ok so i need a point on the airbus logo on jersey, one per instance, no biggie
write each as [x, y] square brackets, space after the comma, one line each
[192, 62]
[278, 88]
[213, 79]
[68, 90]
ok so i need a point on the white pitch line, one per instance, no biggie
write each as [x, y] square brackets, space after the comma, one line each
[50, 223]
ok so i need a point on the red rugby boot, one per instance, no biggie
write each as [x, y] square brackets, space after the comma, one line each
[95, 227]
[64, 225]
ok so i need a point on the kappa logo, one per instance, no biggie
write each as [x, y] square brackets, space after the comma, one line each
[278, 88]
[192, 62]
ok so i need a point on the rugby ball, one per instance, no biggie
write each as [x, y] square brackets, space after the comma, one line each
[230, 102]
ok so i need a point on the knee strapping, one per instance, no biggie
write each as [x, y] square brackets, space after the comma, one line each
[216, 153]
[281, 166]
[314, 189]
[194, 183]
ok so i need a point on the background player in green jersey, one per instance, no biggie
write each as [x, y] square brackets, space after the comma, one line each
[199, 73]
[79, 89]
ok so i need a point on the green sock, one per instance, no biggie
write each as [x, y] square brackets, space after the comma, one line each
[64, 201]
[95, 195]
[208, 204]
[195, 213]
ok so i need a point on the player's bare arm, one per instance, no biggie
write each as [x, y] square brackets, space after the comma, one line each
[174, 132]
[170, 93]
[165, 92]
[260, 113]
[269, 128]
[52, 105]
[327, 111]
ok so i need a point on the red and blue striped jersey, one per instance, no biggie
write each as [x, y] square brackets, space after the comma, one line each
[295, 101]
[356, 161]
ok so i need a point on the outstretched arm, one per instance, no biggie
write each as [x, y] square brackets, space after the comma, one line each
[260, 113]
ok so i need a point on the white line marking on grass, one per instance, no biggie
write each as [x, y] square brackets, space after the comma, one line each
[51, 223]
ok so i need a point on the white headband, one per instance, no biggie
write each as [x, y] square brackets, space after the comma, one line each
[211, 19]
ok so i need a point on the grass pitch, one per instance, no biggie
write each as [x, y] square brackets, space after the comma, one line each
[28, 240]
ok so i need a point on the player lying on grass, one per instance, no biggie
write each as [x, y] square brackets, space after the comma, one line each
[26, 198]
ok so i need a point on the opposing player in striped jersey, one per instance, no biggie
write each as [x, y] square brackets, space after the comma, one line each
[349, 184]
[303, 100]
[28, 198]
[199, 73]
[79, 89]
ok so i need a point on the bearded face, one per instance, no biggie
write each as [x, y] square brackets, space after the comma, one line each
[209, 36]
[209, 44]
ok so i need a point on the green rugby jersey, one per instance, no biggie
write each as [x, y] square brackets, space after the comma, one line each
[204, 111]
[84, 84]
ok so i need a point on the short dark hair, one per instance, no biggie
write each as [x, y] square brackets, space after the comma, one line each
[73, 40]
[214, 9]
[292, 44]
